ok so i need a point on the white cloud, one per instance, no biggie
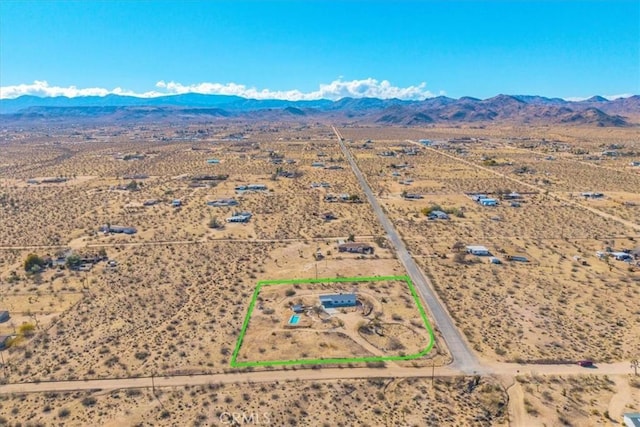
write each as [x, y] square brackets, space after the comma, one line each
[335, 90]
[612, 97]
[42, 88]
[609, 97]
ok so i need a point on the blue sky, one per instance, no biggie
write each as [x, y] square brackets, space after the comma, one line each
[307, 49]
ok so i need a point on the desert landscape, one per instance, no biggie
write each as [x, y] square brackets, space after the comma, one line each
[133, 253]
[320, 213]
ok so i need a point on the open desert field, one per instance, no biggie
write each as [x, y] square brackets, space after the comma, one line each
[588, 400]
[171, 298]
[161, 281]
[463, 401]
[134, 184]
[163, 309]
[564, 303]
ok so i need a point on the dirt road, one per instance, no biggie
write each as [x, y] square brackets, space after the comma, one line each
[499, 369]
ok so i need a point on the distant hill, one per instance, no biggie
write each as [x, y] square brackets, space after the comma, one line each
[593, 116]
[518, 109]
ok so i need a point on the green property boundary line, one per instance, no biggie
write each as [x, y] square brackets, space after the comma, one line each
[321, 361]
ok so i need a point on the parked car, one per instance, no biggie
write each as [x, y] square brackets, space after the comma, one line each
[586, 363]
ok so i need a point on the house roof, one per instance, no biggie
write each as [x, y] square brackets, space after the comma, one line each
[332, 297]
[477, 248]
[355, 245]
[632, 419]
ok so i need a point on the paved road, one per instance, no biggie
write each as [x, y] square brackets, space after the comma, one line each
[463, 358]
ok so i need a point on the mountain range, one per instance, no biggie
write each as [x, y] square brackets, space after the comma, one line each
[517, 109]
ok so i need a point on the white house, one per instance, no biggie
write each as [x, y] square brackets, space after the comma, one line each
[488, 202]
[478, 250]
[240, 217]
[621, 256]
[477, 197]
[250, 187]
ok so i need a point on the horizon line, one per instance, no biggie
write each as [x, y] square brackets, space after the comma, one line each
[334, 91]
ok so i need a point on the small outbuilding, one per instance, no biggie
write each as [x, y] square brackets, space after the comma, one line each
[329, 216]
[437, 215]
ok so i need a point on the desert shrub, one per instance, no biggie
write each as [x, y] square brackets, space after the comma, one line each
[89, 401]
[141, 355]
[73, 261]
[33, 263]
[27, 329]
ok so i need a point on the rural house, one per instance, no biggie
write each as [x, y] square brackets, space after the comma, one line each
[353, 247]
[222, 202]
[477, 197]
[118, 229]
[488, 202]
[240, 217]
[250, 187]
[413, 196]
[592, 195]
[338, 300]
[478, 250]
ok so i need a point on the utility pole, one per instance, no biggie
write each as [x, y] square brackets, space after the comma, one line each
[433, 370]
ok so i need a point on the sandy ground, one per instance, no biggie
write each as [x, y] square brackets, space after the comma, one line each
[176, 300]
